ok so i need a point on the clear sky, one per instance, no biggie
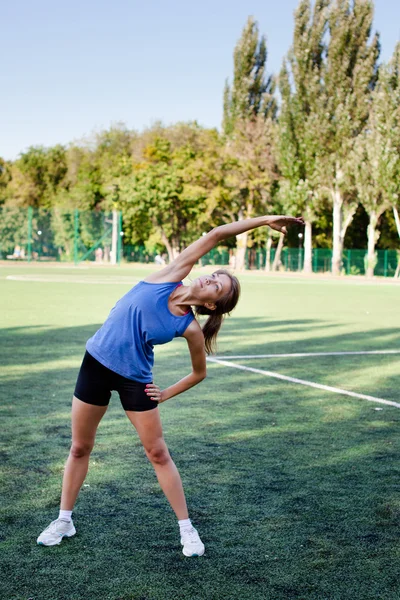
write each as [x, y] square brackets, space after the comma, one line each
[70, 68]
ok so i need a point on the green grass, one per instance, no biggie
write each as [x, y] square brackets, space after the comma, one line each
[295, 490]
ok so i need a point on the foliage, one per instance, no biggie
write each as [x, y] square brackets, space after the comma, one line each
[350, 74]
[167, 192]
[252, 92]
[37, 175]
[333, 145]
[301, 88]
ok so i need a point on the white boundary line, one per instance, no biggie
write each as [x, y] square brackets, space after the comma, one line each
[302, 354]
[112, 280]
[326, 388]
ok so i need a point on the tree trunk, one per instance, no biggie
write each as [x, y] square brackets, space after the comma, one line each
[372, 238]
[241, 243]
[397, 219]
[173, 252]
[342, 217]
[337, 250]
[277, 259]
[241, 246]
[268, 247]
[308, 247]
[397, 273]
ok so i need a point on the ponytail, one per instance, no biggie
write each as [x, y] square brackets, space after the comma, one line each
[215, 317]
[210, 328]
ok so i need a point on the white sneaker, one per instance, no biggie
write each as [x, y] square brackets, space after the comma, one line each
[55, 532]
[191, 542]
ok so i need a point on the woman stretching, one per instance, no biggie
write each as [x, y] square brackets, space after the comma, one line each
[120, 357]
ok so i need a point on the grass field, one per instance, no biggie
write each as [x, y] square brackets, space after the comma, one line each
[294, 489]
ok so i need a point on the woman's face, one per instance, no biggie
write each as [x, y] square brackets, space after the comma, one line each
[211, 288]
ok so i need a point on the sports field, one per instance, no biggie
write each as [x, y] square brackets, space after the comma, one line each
[294, 488]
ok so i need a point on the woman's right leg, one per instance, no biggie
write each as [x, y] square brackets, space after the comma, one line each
[85, 420]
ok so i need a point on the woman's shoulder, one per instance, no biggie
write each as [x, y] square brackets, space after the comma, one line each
[165, 283]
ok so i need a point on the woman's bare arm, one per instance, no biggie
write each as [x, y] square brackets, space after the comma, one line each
[183, 264]
[195, 339]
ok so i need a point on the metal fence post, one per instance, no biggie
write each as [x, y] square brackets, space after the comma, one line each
[76, 235]
[119, 240]
[30, 212]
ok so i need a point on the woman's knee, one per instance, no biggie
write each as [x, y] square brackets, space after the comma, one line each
[158, 455]
[81, 449]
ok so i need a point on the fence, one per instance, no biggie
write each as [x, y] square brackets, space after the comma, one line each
[354, 261]
[72, 235]
[292, 259]
[60, 235]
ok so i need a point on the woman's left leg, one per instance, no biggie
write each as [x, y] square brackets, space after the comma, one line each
[148, 425]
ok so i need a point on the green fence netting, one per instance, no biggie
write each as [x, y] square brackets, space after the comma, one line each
[354, 261]
[59, 235]
[74, 236]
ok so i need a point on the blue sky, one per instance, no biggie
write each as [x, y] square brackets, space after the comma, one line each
[72, 68]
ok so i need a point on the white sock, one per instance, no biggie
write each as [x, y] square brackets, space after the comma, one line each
[184, 524]
[65, 515]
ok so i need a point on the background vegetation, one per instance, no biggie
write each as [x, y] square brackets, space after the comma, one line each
[321, 138]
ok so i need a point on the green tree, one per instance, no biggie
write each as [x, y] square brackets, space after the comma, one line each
[298, 147]
[390, 86]
[350, 75]
[5, 177]
[249, 154]
[249, 111]
[37, 176]
[252, 93]
[377, 153]
[13, 227]
[167, 195]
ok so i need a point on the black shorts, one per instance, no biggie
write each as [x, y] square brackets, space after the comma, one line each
[95, 383]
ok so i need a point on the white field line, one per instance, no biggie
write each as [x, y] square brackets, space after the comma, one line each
[112, 280]
[302, 354]
[326, 388]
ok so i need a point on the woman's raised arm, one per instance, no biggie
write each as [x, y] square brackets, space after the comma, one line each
[182, 265]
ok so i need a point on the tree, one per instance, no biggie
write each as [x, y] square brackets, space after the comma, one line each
[350, 75]
[37, 176]
[377, 153]
[13, 227]
[249, 109]
[252, 93]
[391, 92]
[251, 174]
[299, 124]
[5, 177]
[168, 193]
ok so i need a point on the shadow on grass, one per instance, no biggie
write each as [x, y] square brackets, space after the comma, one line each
[34, 345]
[289, 487]
[248, 332]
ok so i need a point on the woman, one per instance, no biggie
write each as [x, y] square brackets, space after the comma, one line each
[120, 357]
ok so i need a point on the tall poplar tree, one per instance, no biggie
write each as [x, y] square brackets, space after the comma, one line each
[350, 75]
[249, 108]
[301, 88]
[252, 92]
[391, 89]
[377, 153]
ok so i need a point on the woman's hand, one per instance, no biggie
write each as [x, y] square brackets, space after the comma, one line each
[153, 392]
[280, 222]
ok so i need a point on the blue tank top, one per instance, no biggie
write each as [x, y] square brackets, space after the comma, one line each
[140, 320]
